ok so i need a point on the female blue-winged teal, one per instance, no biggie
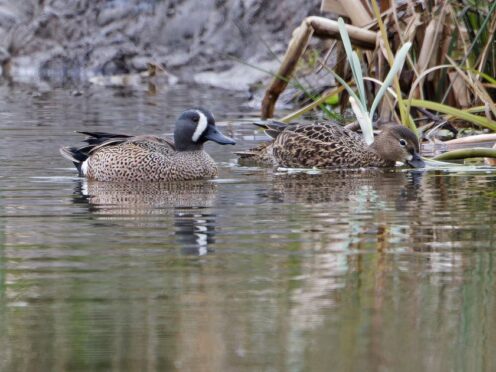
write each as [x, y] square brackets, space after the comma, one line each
[329, 145]
[116, 157]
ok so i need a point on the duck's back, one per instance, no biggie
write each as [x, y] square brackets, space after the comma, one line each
[326, 145]
[147, 159]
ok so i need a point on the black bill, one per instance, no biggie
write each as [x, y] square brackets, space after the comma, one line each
[213, 134]
[416, 161]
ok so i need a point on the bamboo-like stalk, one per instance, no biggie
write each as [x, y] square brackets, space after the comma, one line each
[327, 28]
[478, 138]
[320, 27]
[357, 12]
[353, 9]
[297, 46]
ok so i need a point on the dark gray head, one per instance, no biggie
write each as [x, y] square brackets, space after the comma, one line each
[196, 126]
[398, 143]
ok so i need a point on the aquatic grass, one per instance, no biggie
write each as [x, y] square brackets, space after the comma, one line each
[405, 116]
[476, 87]
[359, 100]
[397, 66]
[474, 152]
[449, 110]
[488, 78]
[454, 112]
[478, 32]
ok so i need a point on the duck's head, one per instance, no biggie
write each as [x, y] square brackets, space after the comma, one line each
[398, 143]
[196, 126]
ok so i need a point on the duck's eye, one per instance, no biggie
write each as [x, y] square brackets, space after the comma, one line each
[196, 118]
[402, 142]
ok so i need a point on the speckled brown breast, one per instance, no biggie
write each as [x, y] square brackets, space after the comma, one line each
[148, 161]
[323, 146]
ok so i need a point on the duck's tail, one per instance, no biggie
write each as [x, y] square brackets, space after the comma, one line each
[78, 155]
[272, 127]
[262, 153]
[95, 140]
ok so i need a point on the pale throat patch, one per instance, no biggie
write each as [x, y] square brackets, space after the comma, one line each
[200, 127]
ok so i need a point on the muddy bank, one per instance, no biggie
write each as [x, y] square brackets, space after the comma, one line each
[200, 41]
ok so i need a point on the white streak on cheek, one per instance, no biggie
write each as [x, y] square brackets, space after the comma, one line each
[409, 157]
[200, 128]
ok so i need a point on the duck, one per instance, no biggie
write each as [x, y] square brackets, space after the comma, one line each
[128, 158]
[328, 145]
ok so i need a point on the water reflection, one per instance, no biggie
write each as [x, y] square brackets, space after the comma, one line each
[361, 270]
[187, 202]
[342, 185]
[145, 197]
[195, 232]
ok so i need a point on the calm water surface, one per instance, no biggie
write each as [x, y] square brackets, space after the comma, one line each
[258, 270]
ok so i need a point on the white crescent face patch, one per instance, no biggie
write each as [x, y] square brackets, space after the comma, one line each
[200, 127]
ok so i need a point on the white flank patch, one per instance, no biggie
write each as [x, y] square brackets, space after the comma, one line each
[84, 167]
[201, 127]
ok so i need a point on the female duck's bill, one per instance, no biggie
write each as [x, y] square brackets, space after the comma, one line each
[415, 161]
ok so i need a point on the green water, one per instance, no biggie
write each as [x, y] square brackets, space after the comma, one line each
[258, 270]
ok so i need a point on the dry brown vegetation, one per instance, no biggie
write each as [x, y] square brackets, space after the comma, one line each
[448, 79]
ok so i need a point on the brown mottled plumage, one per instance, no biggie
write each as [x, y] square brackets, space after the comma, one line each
[329, 145]
[114, 157]
[259, 155]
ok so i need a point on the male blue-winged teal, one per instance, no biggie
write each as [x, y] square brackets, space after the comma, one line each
[329, 145]
[118, 157]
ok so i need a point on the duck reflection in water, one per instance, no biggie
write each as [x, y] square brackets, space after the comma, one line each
[345, 210]
[188, 203]
[343, 185]
[194, 232]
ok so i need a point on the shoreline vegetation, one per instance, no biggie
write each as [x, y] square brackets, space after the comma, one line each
[447, 85]
[445, 91]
